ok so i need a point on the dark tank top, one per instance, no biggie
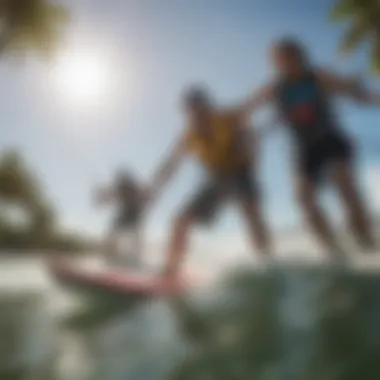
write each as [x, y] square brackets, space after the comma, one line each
[306, 109]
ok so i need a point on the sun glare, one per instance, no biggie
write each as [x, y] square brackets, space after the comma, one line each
[81, 79]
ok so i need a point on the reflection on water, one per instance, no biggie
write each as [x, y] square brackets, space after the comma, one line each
[291, 322]
[141, 344]
[27, 343]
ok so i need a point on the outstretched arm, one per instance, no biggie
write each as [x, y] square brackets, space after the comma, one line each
[167, 169]
[260, 98]
[104, 196]
[348, 86]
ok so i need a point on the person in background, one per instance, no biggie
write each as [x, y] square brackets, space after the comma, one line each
[303, 94]
[127, 195]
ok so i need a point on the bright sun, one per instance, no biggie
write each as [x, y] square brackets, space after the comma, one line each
[81, 79]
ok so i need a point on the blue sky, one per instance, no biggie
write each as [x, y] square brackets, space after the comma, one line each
[152, 49]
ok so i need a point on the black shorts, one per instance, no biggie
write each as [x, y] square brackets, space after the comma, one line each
[314, 159]
[217, 190]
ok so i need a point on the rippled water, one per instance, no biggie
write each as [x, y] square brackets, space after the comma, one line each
[146, 343]
[129, 343]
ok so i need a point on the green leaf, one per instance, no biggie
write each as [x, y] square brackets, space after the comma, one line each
[355, 35]
[375, 58]
[343, 10]
[33, 26]
[350, 9]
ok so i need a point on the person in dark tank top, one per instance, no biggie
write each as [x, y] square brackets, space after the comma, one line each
[127, 195]
[303, 94]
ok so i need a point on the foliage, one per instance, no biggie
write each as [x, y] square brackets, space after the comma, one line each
[290, 323]
[31, 26]
[363, 20]
[20, 187]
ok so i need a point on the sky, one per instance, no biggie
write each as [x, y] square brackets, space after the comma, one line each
[147, 52]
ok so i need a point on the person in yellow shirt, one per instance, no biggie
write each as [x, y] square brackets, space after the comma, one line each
[225, 146]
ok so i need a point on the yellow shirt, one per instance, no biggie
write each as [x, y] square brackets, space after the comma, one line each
[223, 151]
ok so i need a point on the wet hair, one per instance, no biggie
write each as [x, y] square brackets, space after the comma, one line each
[197, 95]
[295, 47]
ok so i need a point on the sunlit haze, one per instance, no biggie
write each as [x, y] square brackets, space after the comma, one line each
[81, 79]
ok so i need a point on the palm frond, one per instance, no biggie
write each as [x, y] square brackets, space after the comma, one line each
[347, 9]
[33, 26]
[375, 58]
[355, 35]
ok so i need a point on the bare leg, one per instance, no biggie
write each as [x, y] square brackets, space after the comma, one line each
[353, 203]
[136, 247]
[111, 247]
[178, 243]
[257, 227]
[306, 193]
